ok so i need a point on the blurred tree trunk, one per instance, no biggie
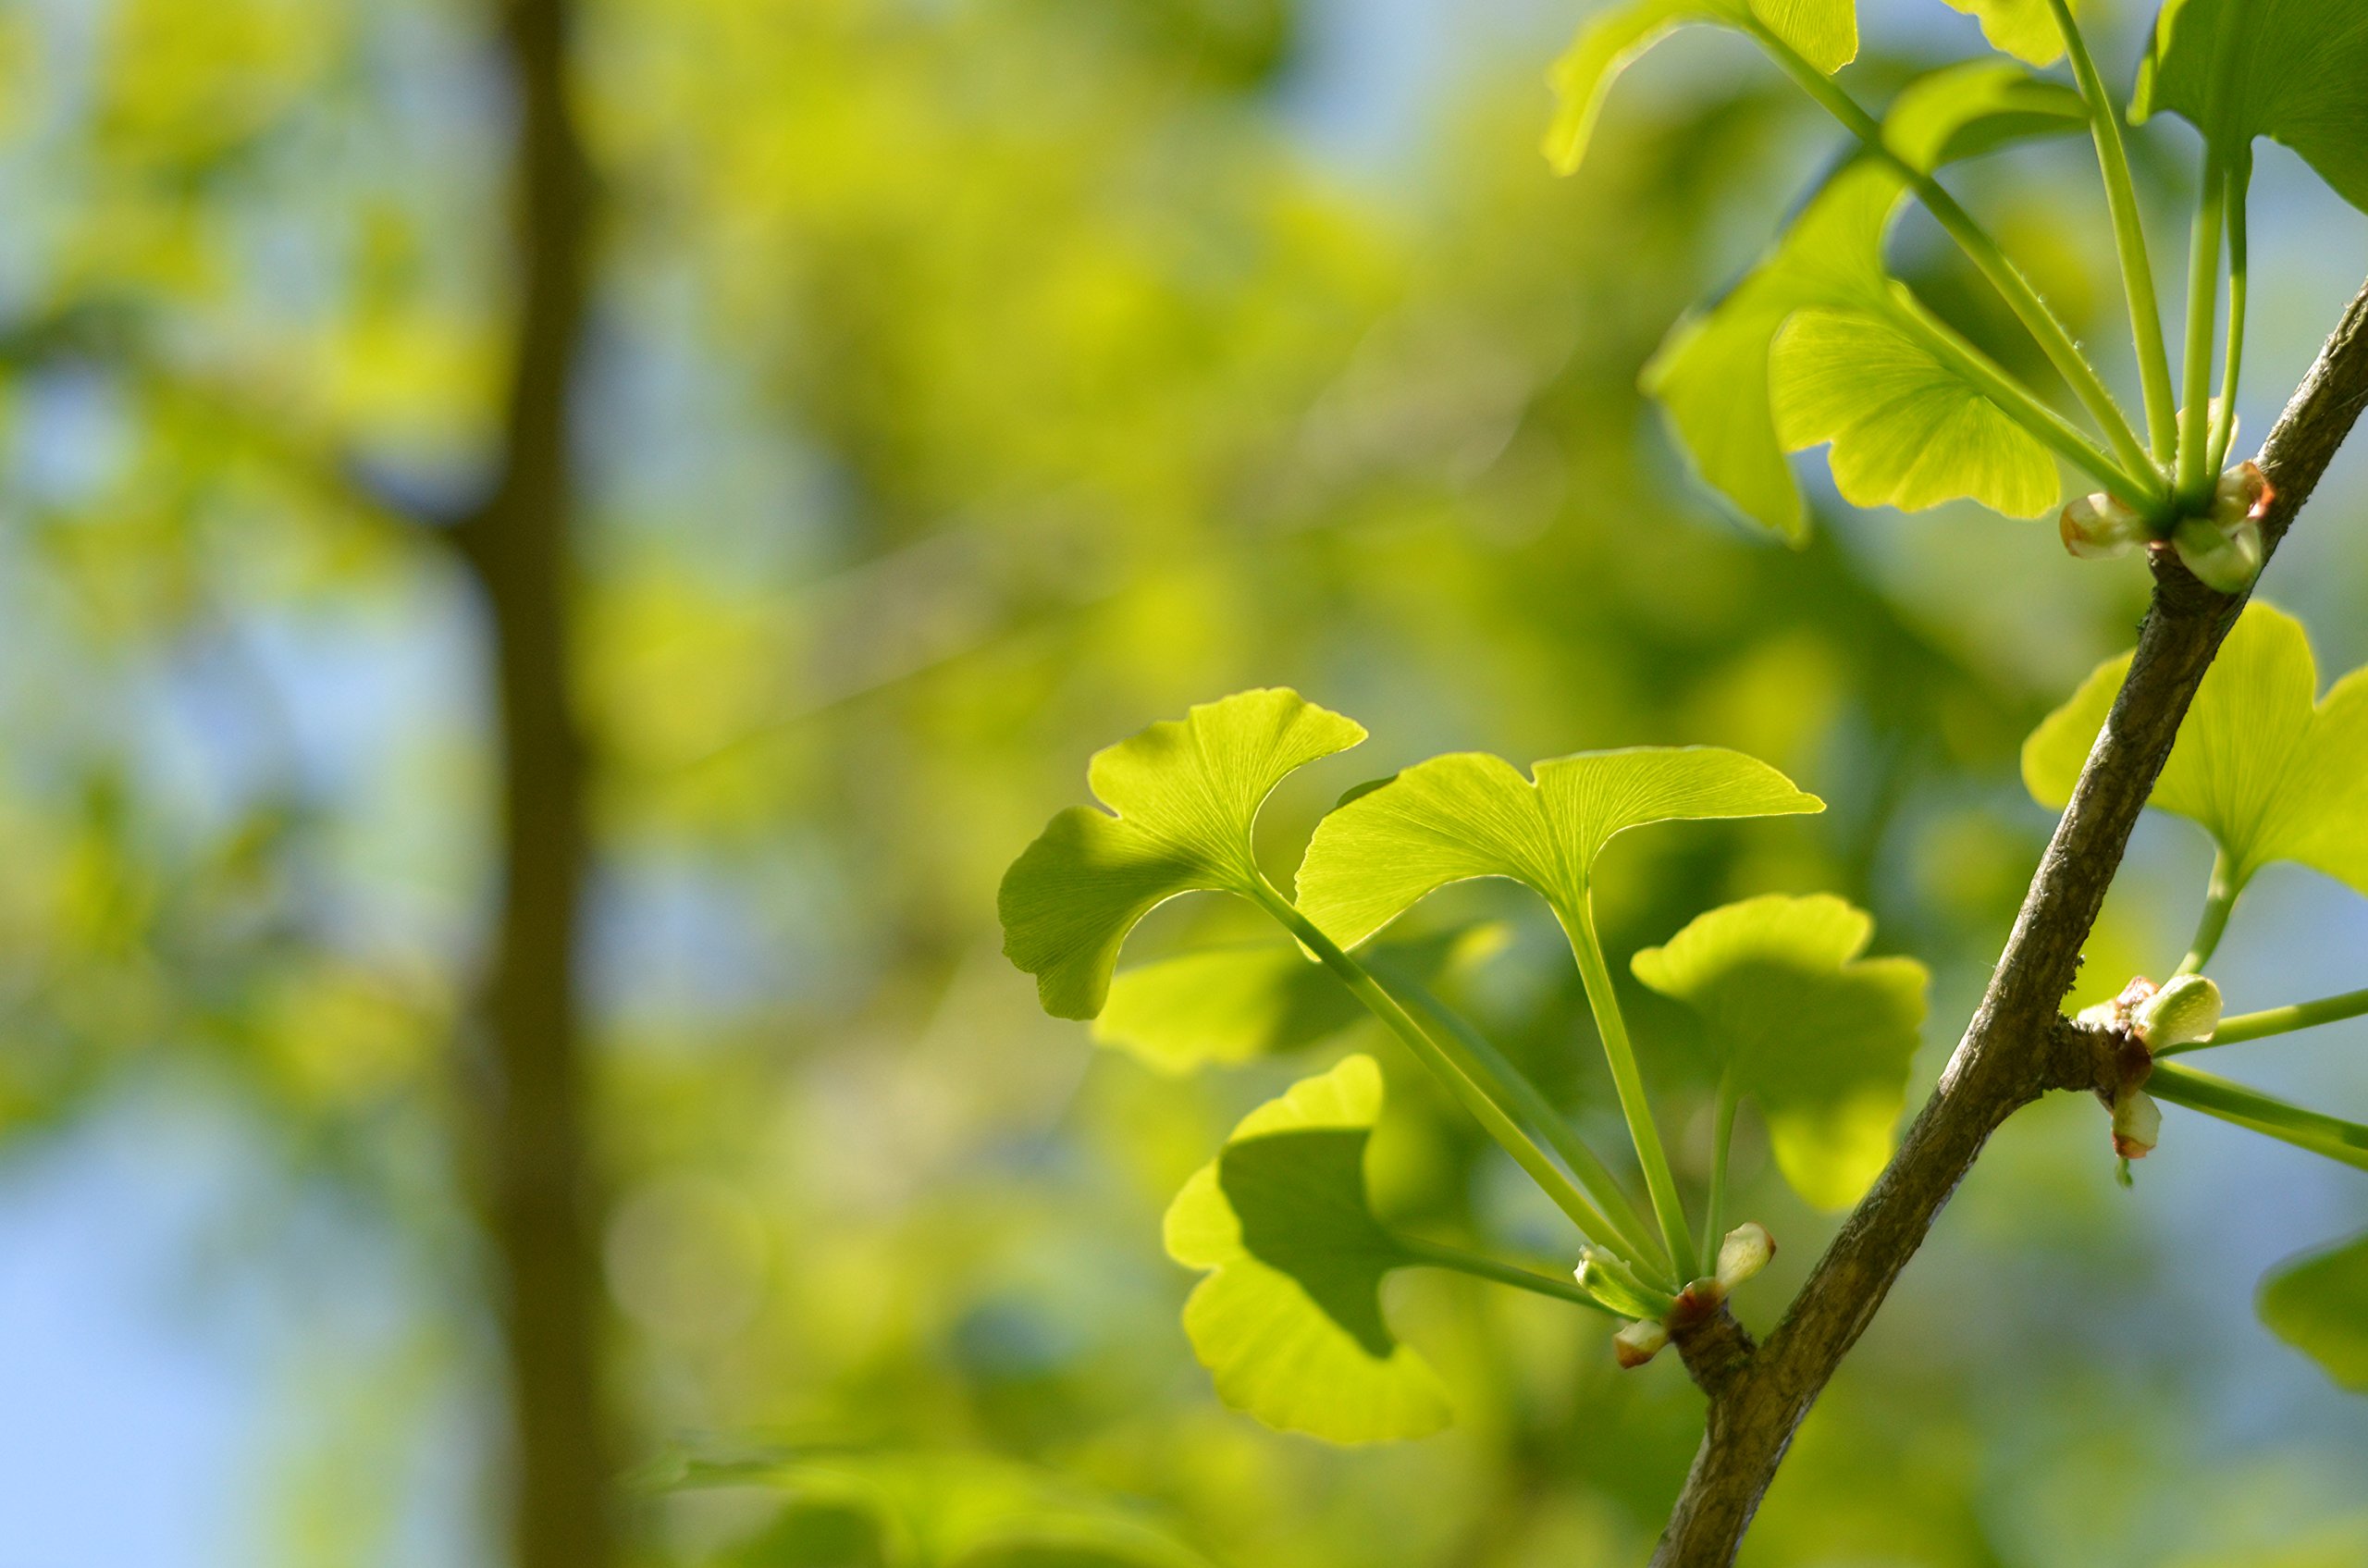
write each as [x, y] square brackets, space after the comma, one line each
[539, 1190]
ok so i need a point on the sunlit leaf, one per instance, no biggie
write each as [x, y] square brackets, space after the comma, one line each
[1825, 32]
[2294, 70]
[1820, 1036]
[1715, 379]
[1472, 815]
[2025, 29]
[1185, 795]
[1288, 1322]
[2267, 772]
[1229, 1005]
[2319, 1305]
[1906, 429]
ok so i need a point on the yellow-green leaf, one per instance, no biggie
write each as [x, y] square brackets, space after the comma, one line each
[2270, 773]
[1225, 1006]
[1825, 32]
[1472, 815]
[1289, 1321]
[2319, 1305]
[1183, 797]
[1819, 1036]
[2295, 70]
[2025, 29]
[1714, 379]
[1906, 429]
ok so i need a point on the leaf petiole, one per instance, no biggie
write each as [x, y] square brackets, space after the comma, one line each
[2344, 1141]
[1452, 1068]
[2130, 239]
[1578, 925]
[2224, 423]
[1437, 1256]
[2202, 291]
[1530, 1103]
[1723, 1137]
[2278, 1020]
[2219, 897]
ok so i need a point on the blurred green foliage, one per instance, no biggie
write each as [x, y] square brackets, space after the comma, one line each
[973, 382]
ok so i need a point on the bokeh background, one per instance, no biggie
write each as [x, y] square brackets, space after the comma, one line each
[964, 384]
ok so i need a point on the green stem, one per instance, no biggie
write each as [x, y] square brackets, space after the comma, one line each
[1443, 1062]
[1578, 926]
[2021, 298]
[2202, 291]
[2016, 402]
[1439, 1256]
[2345, 1142]
[2223, 425]
[1530, 1103]
[1722, 1135]
[2130, 239]
[2219, 897]
[2278, 1020]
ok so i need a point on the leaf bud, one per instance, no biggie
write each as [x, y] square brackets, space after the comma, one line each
[1698, 1303]
[2186, 1011]
[2223, 550]
[1610, 1281]
[2137, 1124]
[1745, 1253]
[1639, 1342]
[2098, 527]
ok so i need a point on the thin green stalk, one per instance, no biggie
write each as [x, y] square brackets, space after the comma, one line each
[1439, 1256]
[1456, 1075]
[1722, 1135]
[2278, 1020]
[2202, 297]
[2021, 298]
[1529, 1103]
[2219, 897]
[2130, 239]
[2017, 401]
[2345, 1142]
[2223, 425]
[1578, 926]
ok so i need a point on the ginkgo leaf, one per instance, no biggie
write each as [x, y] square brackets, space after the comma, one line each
[1472, 815]
[1185, 795]
[1819, 1036]
[1714, 377]
[2267, 772]
[2319, 1305]
[2295, 70]
[1906, 429]
[1289, 1321]
[2025, 29]
[1825, 32]
[1230, 1005]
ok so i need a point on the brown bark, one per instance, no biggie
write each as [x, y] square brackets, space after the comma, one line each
[2019, 1045]
[540, 1194]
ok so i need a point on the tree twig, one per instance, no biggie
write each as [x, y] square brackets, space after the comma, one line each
[539, 1192]
[2019, 1045]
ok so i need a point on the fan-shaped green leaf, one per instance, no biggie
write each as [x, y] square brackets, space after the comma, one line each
[1714, 380]
[2025, 29]
[2295, 70]
[2269, 774]
[1288, 1322]
[1820, 1037]
[1186, 796]
[1230, 1005]
[1906, 429]
[1825, 32]
[1472, 815]
[2319, 1305]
